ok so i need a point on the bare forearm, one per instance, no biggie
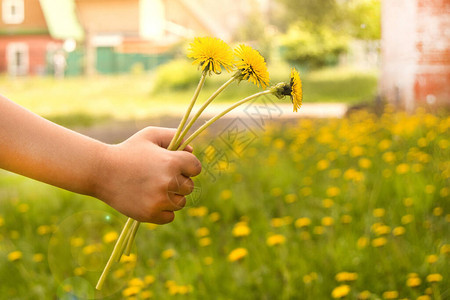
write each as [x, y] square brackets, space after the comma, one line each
[40, 149]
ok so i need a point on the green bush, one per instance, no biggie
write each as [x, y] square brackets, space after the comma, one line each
[178, 74]
[313, 46]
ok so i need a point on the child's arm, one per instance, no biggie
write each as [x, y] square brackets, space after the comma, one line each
[138, 177]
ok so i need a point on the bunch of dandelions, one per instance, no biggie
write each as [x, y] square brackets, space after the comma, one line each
[212, 55]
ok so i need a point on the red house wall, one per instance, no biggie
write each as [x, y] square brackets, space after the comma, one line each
[37, 51]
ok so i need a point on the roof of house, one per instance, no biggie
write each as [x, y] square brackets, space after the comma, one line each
[61, 19]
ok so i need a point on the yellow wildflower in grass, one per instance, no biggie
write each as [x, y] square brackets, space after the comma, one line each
[38, 257]
[252, 66]
[364, 295]
[399, 230]
[435, 277]
[14, 256]
[423, 297]
[362, 242]
[322, 164]
[23, 208]
[305, 236]
[444, 192]
[402, 168]
[306, 191]
[43, 230]
[406, 219]
[214, 217]
[136, 282]
[431, 259]
[2, 221]
[296, 89]
[128, 259]
[208, 260]
[279, 222]
[149, 279]
[327, 203]
[76, 241]
[327, 221]
[131, 291]
[110, 237]
[276, 192]
[119, 273]
[318, 230]
[428, 291]
[334, 173]
[79, 271]
[333, 191]
[14, 234]
[237, 254]
[413, 281]
[346, 276]
[241, 229]
[202, 232]
[429, 189]
[346, 219]
[365, 163]
[379, 242]
[340, 291]
[389, 157]
[384, 144]
[290, 198]
[407, 202]
[379, 212]
[206, 241]
[438, 211]
[390, 295]
[200, 211]
[445, 249]
[275, 239]
[226, 194]
[168, 253]
[92, 248]
[302, 222]
[356, 151]
[146, 295]
[211, 54]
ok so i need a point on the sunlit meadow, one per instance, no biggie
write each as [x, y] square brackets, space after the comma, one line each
[353, 208]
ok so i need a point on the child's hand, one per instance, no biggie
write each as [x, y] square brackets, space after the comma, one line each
[145, 181]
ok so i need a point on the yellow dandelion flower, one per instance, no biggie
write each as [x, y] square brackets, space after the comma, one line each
[423, 297]
[379, 212]
[362, 242]
[136, 282]
[208, 260]
[290, 198]
[23, 207]
[79, 271]
[318, 230]
[202, 232]
[226, 194]
[346, 219]
[379, 242]
[237, 254]
[211, 54]
[131, 291]
[214, 217]
[149, 279]
[43, 229]
[15, 255]
[390, 295]
[119, 273]
[340, 291]
[110, 237]
[327, 203]
[168, 253]
[445, 249]
[92, 248]
[408, 202]
[327, 221]
[431, 259]
[2, 221]
[364, 295]
[399, 230]
[241, 229]
[197, 211]
[296, 89]
[406, 219]
[333, 191]
[346, 276]
[275, 239]
[302, 222]
[252, 66]
[276, 191]
[365, 163]
[402, 168]
[206, 241]
[435, 277]
[38, 257]
[322, 164]
[438, 211]
[146, 295]
[413, 281]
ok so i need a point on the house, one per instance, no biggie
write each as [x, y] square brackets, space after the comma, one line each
[111, 35]
[415, 52]
[31, 31]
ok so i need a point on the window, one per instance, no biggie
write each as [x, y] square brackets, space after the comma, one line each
[12, 11]
[17, 58]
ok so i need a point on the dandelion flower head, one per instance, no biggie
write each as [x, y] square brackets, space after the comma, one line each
[252, 66]
[292, 89]
[211, 54]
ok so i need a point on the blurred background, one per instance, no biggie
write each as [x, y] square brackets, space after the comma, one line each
[346, 199]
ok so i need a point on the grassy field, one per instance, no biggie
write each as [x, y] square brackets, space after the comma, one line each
[83, 101]
[355, 208]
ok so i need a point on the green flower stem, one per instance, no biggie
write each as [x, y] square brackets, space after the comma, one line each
[130, 238]
[199, 112]
[212, 120]
[188, 111]
[114, 253]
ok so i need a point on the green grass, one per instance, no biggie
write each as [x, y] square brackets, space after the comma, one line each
[375, 190]
[83, 101]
